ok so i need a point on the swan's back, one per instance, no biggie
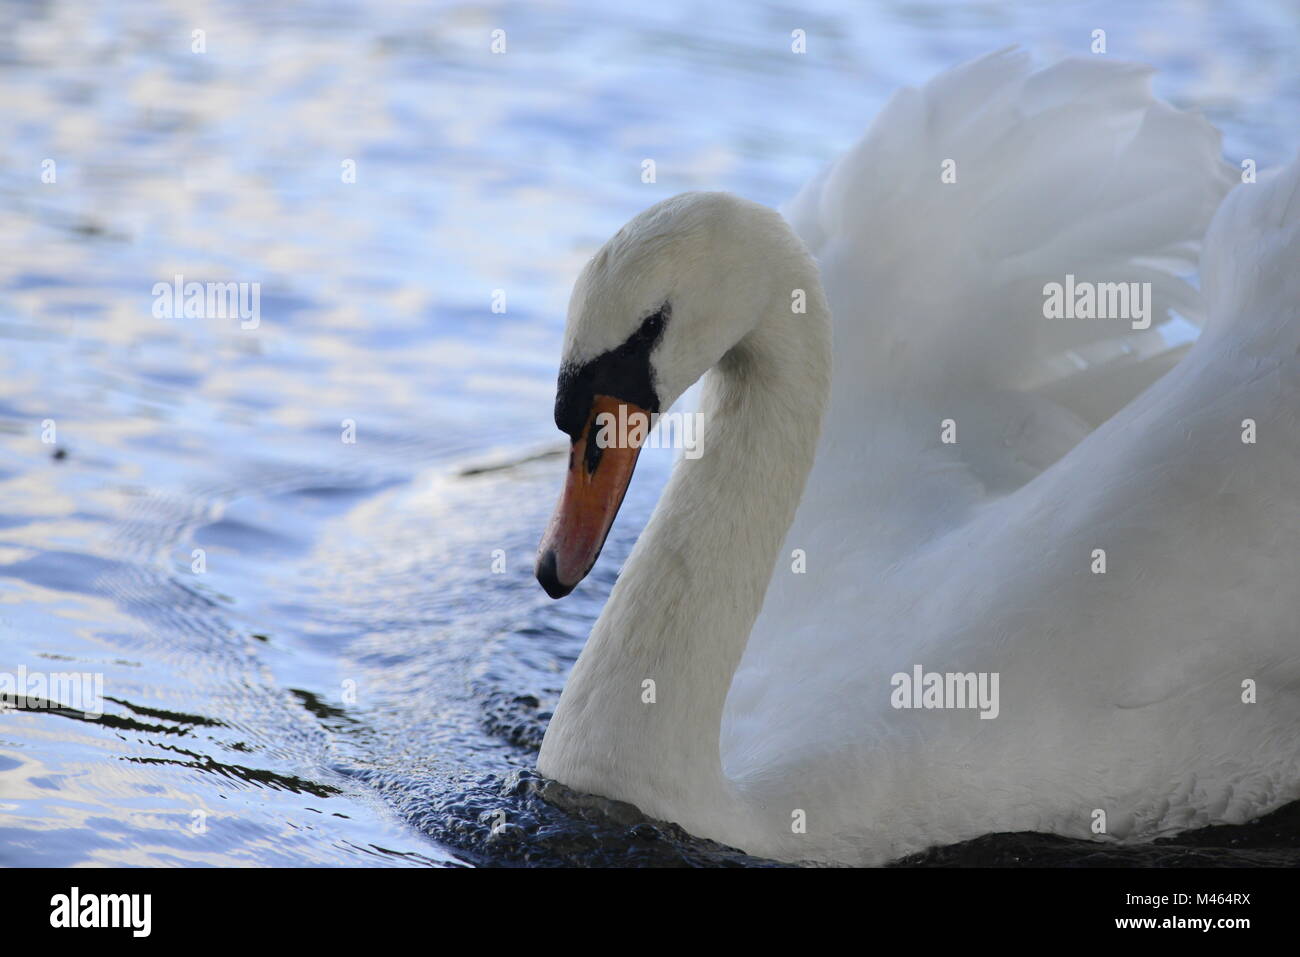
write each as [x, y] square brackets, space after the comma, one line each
[1120, 690]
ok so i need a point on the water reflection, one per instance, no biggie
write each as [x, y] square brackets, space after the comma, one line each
[346, 681]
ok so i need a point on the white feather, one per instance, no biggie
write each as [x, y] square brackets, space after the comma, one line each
[1120, 691]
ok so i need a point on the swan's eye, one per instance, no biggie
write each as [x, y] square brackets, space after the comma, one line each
[652, 325]
[621, 373]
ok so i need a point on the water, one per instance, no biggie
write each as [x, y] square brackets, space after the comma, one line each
[347, 680]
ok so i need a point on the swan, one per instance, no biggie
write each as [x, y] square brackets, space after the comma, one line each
[908, 469]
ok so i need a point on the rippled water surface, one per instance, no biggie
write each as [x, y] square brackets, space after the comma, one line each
[348, 680]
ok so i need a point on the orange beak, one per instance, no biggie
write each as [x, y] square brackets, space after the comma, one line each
[599, 473]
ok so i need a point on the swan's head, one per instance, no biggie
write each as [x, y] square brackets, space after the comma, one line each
[657, 306]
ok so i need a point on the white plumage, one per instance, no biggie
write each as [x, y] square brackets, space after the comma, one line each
[1120, 692]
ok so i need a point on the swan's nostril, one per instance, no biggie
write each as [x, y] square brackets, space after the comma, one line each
[547, 576]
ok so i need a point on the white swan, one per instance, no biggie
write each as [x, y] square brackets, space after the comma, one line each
[1124, 694]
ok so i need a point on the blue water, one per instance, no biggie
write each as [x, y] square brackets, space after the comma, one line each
[348, 679]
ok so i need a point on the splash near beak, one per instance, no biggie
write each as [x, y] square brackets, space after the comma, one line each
[601, 463]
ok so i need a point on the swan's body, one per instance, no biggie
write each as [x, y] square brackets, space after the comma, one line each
[772, 726]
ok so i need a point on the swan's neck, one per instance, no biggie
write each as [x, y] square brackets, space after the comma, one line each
[681, 612]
